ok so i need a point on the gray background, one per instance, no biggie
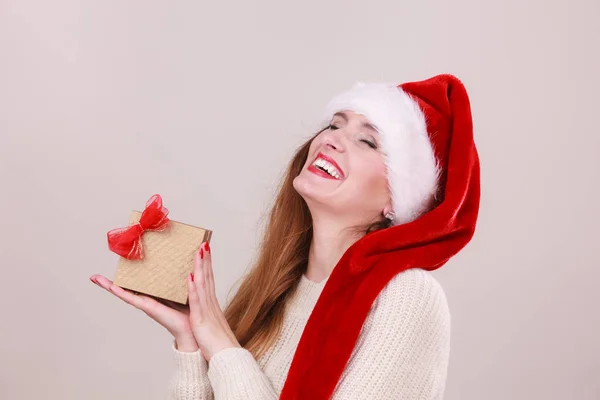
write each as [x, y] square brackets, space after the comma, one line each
[105, 103]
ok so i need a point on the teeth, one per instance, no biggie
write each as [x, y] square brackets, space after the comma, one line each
[319, 162]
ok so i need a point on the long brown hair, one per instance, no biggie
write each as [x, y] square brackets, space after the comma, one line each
[256, 312]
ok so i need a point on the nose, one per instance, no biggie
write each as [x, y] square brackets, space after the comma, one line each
[333, 139]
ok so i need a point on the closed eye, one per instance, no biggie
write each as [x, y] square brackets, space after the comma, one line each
[371, 144]
[368, 142]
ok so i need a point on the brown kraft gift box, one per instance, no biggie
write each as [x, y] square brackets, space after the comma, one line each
[167, 262]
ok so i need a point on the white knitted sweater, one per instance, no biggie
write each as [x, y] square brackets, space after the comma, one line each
[402, 351]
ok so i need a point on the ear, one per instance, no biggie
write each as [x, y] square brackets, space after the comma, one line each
[387, 208]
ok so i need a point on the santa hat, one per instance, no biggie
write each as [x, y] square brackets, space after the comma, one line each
[413, 171]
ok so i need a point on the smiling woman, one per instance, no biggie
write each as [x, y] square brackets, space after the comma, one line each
[371, 183]
[340, 303]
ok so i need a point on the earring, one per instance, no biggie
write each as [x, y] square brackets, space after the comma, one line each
[390, 215]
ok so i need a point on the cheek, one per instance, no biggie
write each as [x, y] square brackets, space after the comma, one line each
[373, 180]
[374, 174]
[311, 151]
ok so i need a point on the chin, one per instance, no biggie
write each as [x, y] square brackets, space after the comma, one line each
[303, 186]
[312, 194]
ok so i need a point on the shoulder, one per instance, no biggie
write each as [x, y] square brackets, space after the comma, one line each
[413, 286]
[413, 299]
[404, 345]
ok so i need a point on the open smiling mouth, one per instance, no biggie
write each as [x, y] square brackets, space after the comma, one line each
[325, 168]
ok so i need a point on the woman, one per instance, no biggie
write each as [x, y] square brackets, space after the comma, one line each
[340, 303]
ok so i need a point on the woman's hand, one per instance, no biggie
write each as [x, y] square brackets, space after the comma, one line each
[175, 317]
[208, 323]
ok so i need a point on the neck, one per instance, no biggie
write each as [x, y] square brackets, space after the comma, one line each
[328, 245]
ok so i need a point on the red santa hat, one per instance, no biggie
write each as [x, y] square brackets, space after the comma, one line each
[413, 171]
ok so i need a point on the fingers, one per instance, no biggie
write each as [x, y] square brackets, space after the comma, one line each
[194, 301]
[200, 278]
[197, 294]
[136, 300]
[101, 281]
[215, 308]
[208, 273]
[105, 283]
[176, 306]
[142, 302]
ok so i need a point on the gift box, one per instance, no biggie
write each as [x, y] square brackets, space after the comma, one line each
[157, 254]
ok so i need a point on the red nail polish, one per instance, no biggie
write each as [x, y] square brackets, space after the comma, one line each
[192, 276]
[201, 253]
[207, 246]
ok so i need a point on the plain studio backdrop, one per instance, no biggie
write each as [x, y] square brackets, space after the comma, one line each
[103, 104]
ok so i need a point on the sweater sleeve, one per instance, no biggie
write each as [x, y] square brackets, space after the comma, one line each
[403, 349]
[231, 374]
[235, 375]
[190, 380]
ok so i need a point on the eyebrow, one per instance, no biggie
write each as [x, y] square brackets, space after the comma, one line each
[365, 124]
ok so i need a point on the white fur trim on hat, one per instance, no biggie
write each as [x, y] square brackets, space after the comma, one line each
[412, 169]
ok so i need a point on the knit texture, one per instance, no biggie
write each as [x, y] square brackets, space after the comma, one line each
[402, 351]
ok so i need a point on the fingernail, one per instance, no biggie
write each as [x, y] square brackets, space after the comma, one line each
[192, 276]
[201, 253]
[207, 246]
[91, 279]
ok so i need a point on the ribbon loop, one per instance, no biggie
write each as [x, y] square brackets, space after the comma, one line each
[127, 241]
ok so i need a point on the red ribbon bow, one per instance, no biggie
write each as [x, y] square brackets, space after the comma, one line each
[127, 242]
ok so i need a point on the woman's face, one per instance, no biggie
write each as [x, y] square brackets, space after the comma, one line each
[355, 183]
